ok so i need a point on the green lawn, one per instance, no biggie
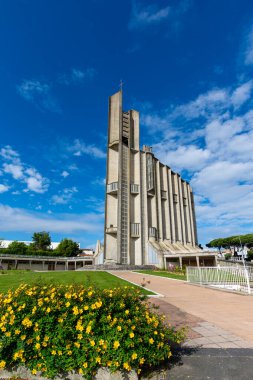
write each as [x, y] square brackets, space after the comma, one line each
[163, 274]
[13, 278]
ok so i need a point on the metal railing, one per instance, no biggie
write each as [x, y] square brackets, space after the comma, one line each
[230, 278]
[163, 194]
[135, 229]
[152, 232]
[134, 188]
[112, 187]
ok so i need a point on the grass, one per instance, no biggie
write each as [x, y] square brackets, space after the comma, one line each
[163, 274]
[103, 280]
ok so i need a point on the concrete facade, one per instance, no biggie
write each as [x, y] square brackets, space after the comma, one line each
[149, 209]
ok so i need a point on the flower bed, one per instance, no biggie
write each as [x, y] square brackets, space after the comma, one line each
[54, 329]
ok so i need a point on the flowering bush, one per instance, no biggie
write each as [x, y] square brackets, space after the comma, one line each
[53, 329]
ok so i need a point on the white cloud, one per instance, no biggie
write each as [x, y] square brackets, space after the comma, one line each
[15, 170]
[98, 181]
[211, 138]
[20, 171]
[77, 76]
[64, 196]
[241, 94]
[39, 94]
[79, 147]
[18, 219]
[146, 15]
[190, 157]
[3, 188]
[8, 153]
[65, 174]
[248, 53]
[29, 89]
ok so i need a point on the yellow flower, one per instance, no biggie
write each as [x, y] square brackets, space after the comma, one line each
[26, 322]
[126, 312]
[119, 328]
[60, 320]
[53, 352]
[8, 334]
[151, 340]
[169, 354]
[88, 329]
[101, 342]
[2, 364]
[131, 335]
[17, 332]
[127, 366]
[98, 359]
[23, 337]
[85, 365]
[37, 346]
[48, 310]
[77, 344]
[92, 342]
[69, 352]
[142, 360]
[75, 310]
[80, 371]
[34, 371]
[116, 344]
[80, 336]
[60, 353]
[46, 338]
[134, 356]
[67, 304]
[86, 307]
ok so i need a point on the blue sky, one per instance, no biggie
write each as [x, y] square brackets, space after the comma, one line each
[186, 66]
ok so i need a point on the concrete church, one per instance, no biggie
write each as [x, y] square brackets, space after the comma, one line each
[149, 209]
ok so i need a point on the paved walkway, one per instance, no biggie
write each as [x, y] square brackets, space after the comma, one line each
[216, 319]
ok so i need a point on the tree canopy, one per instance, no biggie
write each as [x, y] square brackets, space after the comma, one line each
[41, 241]
[17, 248]
[234, 241]
[68, 247]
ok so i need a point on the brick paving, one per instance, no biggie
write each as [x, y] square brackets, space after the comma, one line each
[214, 319]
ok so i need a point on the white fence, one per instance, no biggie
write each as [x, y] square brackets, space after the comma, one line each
[231, 278]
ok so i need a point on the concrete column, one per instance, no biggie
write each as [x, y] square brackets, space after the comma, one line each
[197, 260]
[164, 262]
[190, 215]
[166, 205]
[180, 262]
[178, 211]
[144, 210]
[158, 202]
[75, 264]
[43, 265]
[171, 206]
[187, 215]
[181, 205]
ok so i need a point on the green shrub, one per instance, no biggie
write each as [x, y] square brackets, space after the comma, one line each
[53, 329]
[228, 256]
[250, 255]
